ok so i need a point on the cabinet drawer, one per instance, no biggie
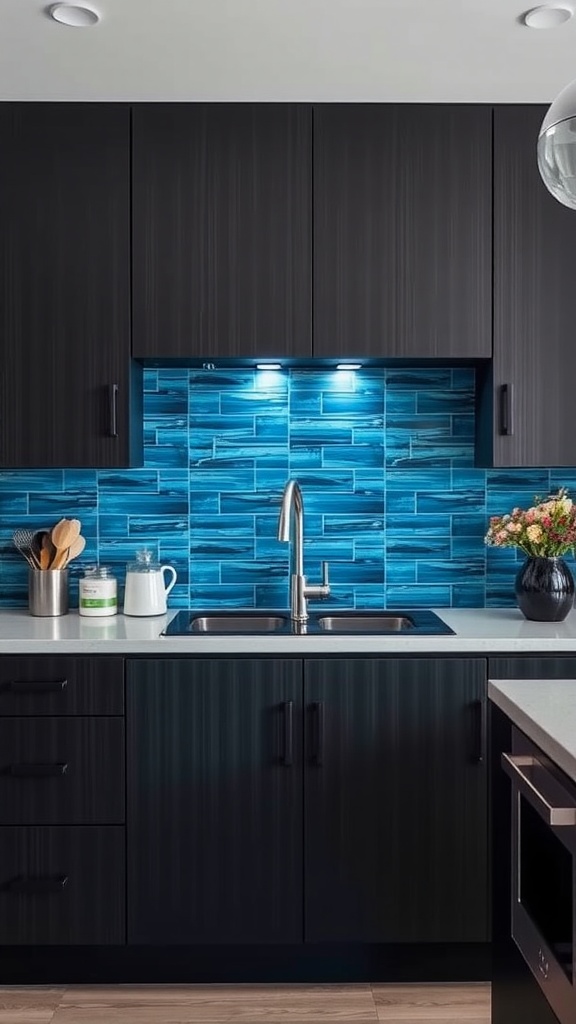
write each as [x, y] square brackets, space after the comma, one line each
[61, 686]
[62, 885]
[61, 771]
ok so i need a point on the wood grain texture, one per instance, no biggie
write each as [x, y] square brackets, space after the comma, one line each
[442, 1003]
[269, 1004]
[90, 909]
[402, 230]
[534, 271]
[93, 686]
[396, 818]
[222, 230]
[91, 790]
[214, 816]
[65, 293]
[29, 1005]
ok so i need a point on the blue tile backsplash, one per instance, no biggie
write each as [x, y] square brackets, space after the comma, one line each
[385, 458]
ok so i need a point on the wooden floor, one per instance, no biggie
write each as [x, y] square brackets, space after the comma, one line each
[247, 1004]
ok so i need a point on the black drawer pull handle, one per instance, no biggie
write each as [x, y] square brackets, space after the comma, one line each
[113, 410]
[506, 410]
[32, 770]
[288, 713]
[478, 709]
[37, 685]
[317, 732]
[30, 886]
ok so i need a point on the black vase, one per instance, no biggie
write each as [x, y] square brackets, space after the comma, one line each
[545, 589]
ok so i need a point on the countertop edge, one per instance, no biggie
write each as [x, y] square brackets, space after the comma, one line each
[526, 722]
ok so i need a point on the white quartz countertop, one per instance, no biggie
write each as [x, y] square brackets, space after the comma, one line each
[477, 631]
[545, 710]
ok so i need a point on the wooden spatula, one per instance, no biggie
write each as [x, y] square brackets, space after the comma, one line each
[63, 536]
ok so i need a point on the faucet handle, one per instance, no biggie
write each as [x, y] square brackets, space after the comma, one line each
[325, 580]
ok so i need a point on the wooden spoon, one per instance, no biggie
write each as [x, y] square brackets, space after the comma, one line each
[63, 536]
[47, 551]
[75, 549]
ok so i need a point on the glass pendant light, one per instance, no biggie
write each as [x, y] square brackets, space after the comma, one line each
[557, 147]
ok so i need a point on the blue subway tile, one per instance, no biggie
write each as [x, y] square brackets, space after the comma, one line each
[348, 456]
[22, 480]
[439, 378]
[460, 401]
[449, 571]
[204, 597]
[418, 596]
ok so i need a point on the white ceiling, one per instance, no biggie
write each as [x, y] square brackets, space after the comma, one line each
[322, 50]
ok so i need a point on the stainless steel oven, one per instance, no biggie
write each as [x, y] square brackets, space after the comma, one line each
[543, 910]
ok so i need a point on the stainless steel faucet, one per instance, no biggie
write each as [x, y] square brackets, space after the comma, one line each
[300, 591]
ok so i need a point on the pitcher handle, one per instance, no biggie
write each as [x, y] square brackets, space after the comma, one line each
[171, 569]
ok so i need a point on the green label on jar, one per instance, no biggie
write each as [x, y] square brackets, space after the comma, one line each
[98, 602]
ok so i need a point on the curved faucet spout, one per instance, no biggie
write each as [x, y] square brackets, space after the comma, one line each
[292, 513]
[292, 508]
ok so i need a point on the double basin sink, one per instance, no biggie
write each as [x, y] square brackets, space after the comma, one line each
[420, 622]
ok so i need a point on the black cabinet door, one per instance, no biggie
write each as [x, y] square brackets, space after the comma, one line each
[62, 886]
[532, 668]
[534, 271]
[222, 230]
[402, 230]
[65, 271]
[395, 801]
[214, 801]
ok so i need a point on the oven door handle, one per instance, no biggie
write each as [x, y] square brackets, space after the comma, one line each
[551, 813]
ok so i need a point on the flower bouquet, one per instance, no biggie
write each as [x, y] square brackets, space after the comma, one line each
[544, 532]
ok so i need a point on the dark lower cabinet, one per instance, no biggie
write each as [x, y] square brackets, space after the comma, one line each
[62, 886]
[65, 374]
[214, 801]
[395, 801]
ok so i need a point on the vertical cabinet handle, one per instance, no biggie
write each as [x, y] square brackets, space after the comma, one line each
[37, 685]
[317, 753]
[506, 410]
[36, 886]
[288, 733]
[113, 410]
[478, 708]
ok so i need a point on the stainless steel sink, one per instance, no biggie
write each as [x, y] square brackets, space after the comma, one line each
[364, 623]
[237, 624]
[245, 622]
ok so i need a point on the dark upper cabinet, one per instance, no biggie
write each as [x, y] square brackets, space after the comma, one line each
[222, 230]
[65, 272]
[214, 801]
[402, 230]
[530, 410]
[395, 801]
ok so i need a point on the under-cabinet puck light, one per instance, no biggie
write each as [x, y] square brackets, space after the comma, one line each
[547, 17]
[75, 15]
[349, 366]
[268, 366]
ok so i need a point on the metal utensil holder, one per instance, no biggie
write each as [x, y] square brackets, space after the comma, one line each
[48, 591]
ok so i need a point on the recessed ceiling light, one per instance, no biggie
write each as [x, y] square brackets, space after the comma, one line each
[547, 17]
[76, 15]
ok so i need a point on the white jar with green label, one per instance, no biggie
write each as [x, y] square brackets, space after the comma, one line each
[98, 591]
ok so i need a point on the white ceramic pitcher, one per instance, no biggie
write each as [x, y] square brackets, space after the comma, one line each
[146, 588]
